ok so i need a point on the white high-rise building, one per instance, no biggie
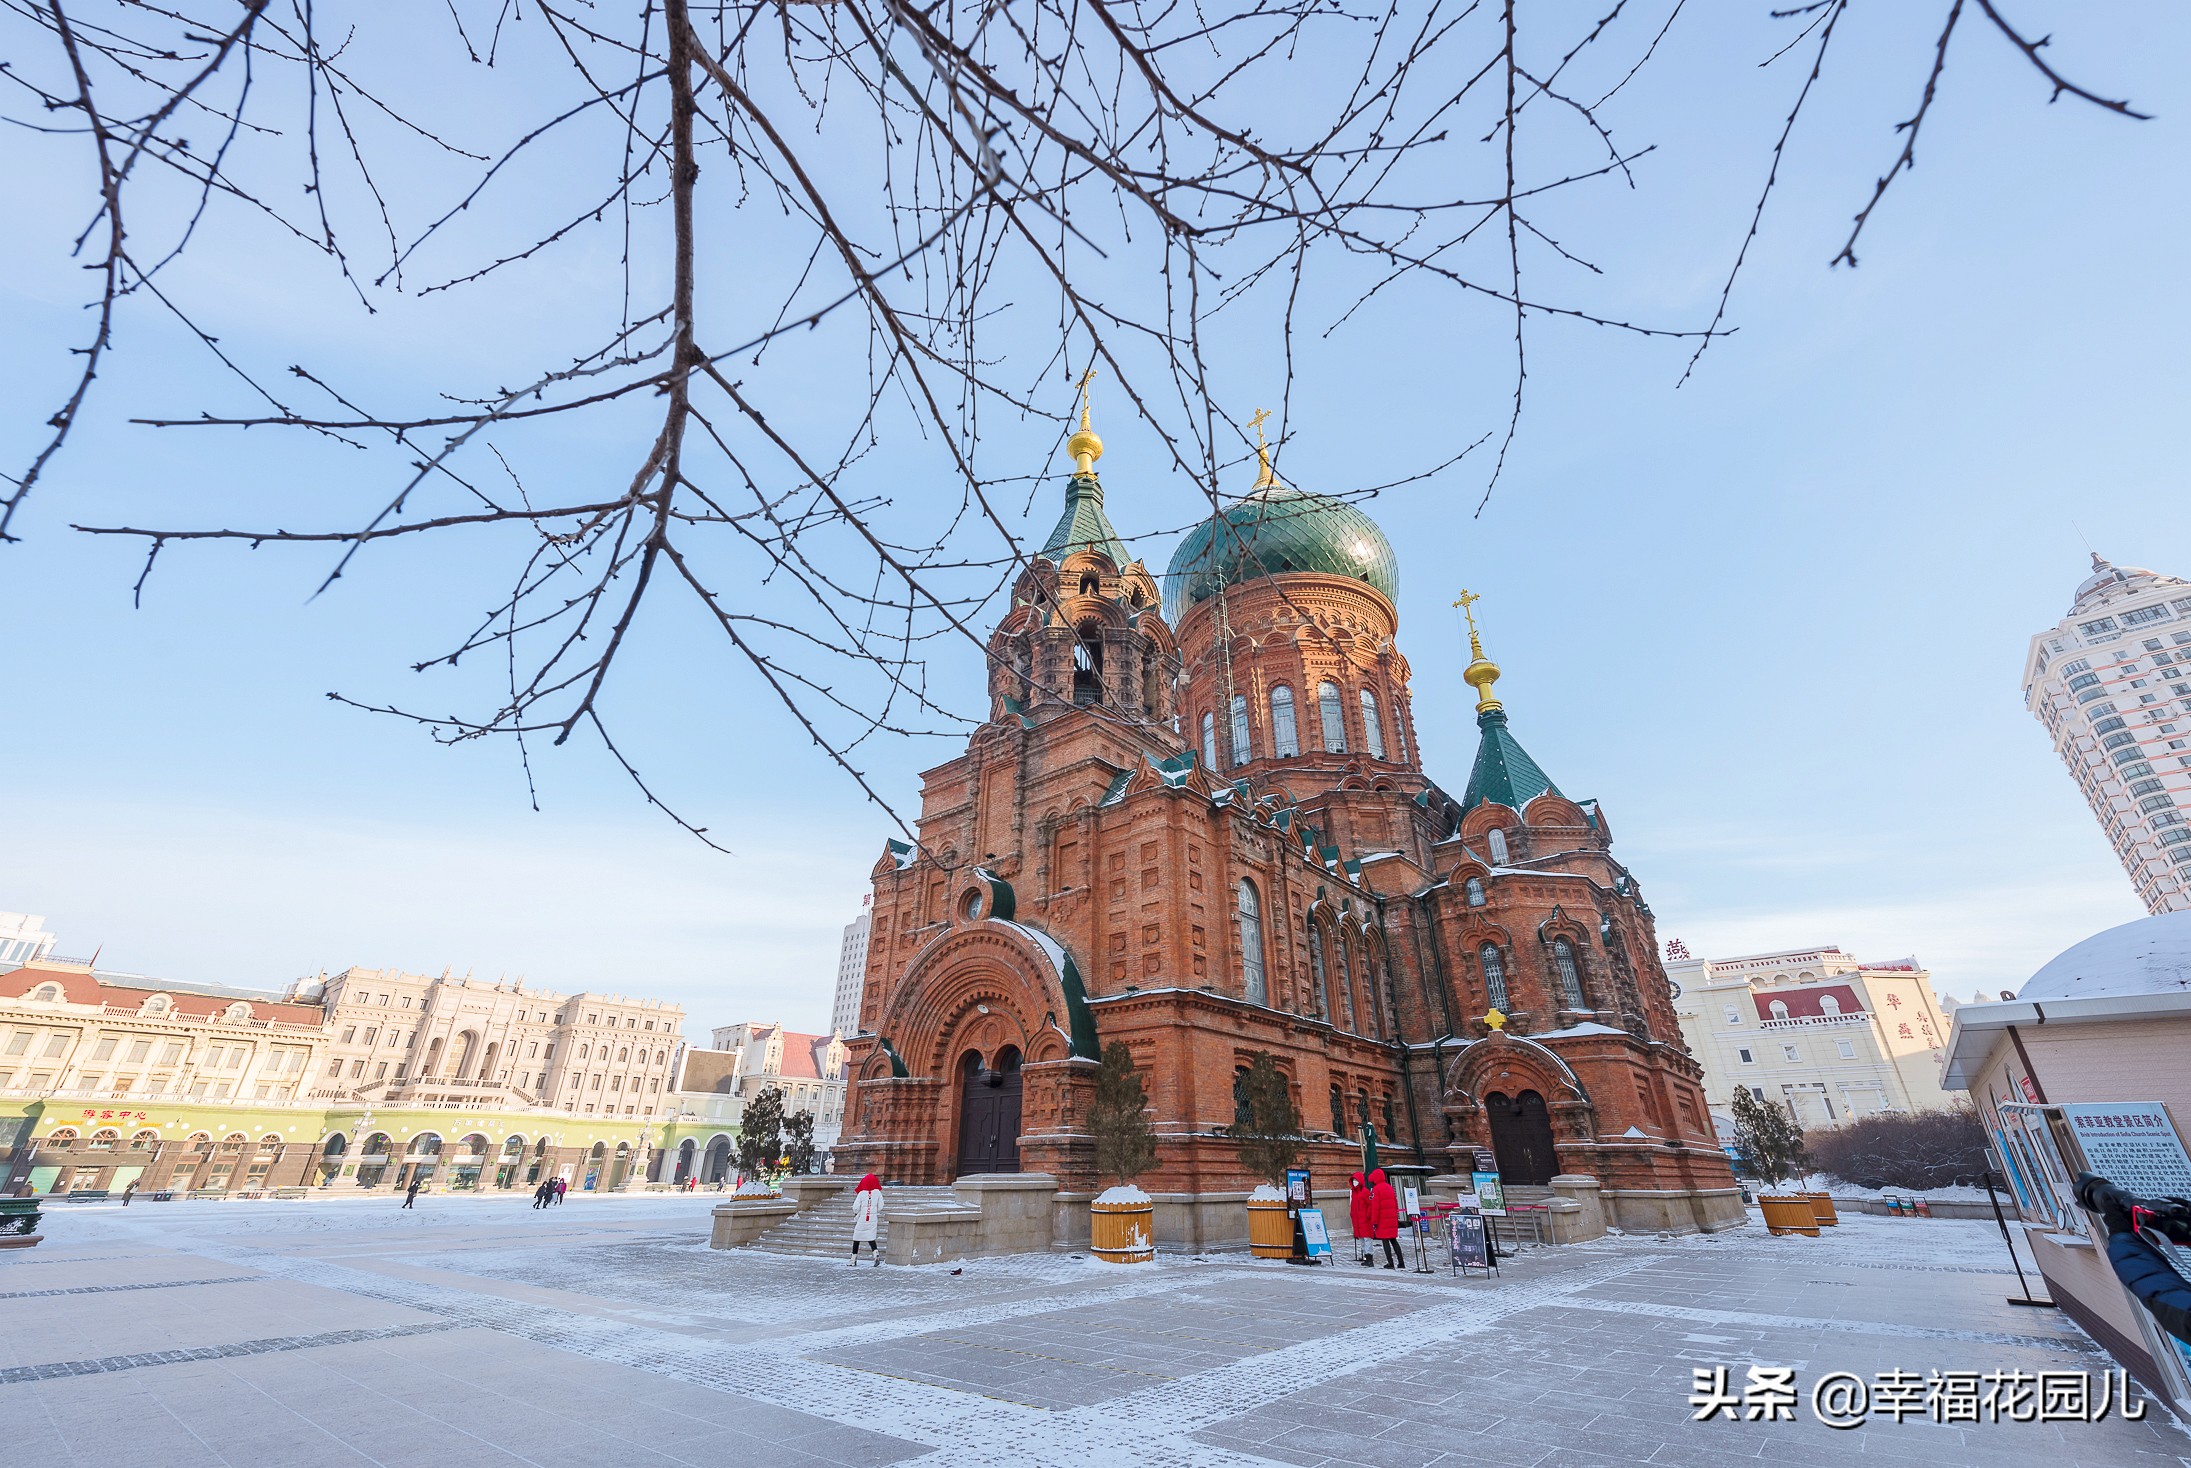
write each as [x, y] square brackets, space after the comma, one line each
[24, 939]
[2112, 683]
[844, 1016]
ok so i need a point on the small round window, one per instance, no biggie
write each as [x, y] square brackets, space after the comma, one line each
[971, 907]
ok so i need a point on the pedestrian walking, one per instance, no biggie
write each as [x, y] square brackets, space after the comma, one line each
[410, 1194]
[562, 1186]
[867, 1218]
[540, 1194]
[1358, 1219]
[129, 1192]
[1384, 1218]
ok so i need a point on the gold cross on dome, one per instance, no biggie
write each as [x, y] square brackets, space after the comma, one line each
[1262, 416]
[1467, 604]
[1085, 378]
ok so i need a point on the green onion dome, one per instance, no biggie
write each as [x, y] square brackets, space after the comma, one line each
[1274, 530]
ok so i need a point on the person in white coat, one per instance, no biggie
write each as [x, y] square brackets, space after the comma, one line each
[867, 1218]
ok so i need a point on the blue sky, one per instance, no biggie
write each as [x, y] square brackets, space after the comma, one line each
[1773, 619]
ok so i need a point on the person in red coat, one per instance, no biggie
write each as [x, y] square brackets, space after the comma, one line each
[1358, 1218]
[1384, 1218]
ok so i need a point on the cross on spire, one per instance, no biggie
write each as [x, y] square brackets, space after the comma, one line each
[1467, 604]
[1264, 479]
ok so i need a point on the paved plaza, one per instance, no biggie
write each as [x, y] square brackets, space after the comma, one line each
[478, 1331]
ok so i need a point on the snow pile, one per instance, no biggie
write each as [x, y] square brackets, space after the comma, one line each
[1123, 1193]
[754, 1188]
[1265, 1193]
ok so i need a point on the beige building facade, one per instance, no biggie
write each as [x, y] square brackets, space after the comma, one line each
[808, 1069]
[67, 1032]
[456, 1041]
[1814, 1030]
[2111, 682]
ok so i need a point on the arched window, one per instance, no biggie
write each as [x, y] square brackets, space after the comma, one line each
[1373, 729]
[1570, 974]
[1829, 1004]
[103, 1140]
[1240, 749]
[1209, 741]
[1285, 734]
[1379, 981]
[1088, 666]
[1496, 840]
[1348, 1016]
[1475, 892]
[1332, 716]
[1251, 942]
[1338, 1110]
[1316, 969]
[1780, 1009]
[1494, 975]
[47, 993]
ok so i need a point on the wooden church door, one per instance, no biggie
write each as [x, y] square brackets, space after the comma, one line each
[989, 1100]
[1521, 1137]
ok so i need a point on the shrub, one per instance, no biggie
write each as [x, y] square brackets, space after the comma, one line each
[1924, 1149]
[1266, 1123]
[1125, 1145]
[761, 1134]
[1769, 1141]
[799, 1142]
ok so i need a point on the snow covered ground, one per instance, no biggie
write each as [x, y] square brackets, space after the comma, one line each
[473, 1331]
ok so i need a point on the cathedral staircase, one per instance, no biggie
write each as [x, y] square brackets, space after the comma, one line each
[825, 1230]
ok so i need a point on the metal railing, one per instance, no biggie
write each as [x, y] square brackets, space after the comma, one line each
[1800, 1020]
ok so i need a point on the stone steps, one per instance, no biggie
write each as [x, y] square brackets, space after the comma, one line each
[825, 1230]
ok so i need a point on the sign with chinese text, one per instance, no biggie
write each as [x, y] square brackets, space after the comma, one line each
[2132, 1145]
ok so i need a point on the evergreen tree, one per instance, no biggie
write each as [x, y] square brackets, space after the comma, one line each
[1125, 1145]
[1265, 1120]
[761, 1134]
[1770, 1142]
[799, 1142]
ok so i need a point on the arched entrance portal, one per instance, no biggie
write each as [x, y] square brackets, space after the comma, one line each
[989, 1113]
[716, 1166]
[684, 1160]
[1521, 1136]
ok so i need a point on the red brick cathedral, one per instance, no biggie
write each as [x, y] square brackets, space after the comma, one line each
[1199, 823]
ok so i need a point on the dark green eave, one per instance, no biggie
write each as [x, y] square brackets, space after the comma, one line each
[1084, 526]
[1504, 773]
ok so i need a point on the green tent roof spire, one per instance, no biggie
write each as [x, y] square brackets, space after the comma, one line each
[1504, 773]
[1084, 526]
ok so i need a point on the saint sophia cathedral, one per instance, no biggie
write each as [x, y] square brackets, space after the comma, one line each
[1196, 820]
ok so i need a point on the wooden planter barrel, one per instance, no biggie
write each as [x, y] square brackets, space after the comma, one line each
[1122, 1233]
[1822, 1209]
[1788, 1213]
[1270, 1231]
